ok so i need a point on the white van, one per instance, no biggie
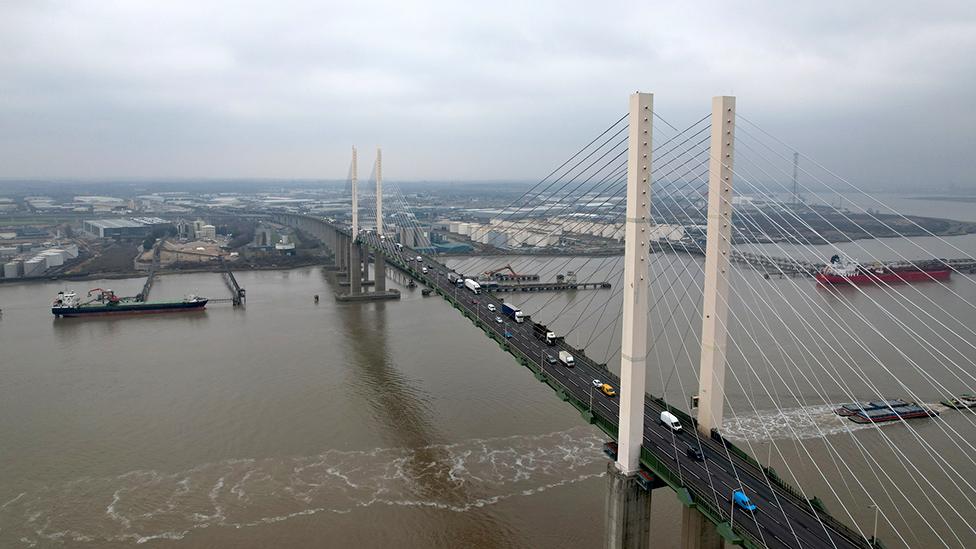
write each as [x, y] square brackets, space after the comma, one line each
[669, 421]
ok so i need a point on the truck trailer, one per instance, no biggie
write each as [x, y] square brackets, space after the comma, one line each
[472, 285]
[566, 358]
[513, 312]
[542, 333]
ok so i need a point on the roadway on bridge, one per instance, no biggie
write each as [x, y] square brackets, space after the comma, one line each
[782, 520]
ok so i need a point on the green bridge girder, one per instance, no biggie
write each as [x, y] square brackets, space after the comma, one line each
[686, 494]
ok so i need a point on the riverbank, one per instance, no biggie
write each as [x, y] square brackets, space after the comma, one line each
[124, 275]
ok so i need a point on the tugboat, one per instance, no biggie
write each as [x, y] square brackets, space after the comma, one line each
[963, 401]
[105, 302]
[843, 271]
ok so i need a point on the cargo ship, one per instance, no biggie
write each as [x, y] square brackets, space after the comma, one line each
[858, 407]
[105, 302]
[881, 415]
[842, 271]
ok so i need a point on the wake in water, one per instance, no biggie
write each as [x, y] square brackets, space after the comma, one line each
[144, 505]
[794, 423]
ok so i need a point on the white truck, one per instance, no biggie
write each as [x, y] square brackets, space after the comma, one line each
[513, 312]
[472, 285]
[670, 421]
[566, 358]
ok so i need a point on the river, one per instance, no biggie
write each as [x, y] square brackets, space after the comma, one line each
[399, 424]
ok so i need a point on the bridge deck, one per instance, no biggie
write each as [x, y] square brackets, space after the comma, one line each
[784, 517]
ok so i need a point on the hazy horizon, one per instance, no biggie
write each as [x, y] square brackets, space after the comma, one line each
[281, 91]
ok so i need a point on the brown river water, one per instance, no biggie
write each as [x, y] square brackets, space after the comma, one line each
[399, 424]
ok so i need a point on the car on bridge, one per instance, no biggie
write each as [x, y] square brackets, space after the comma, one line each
[508, 334]
[741, 500]
[498, 319]
[491, 307]
[605, 388]
[694, 454]
[552, 360]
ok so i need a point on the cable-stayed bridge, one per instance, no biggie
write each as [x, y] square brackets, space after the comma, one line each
[660, 174]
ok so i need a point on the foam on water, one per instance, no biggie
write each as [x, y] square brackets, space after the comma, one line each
[145, 505]
[792, 423]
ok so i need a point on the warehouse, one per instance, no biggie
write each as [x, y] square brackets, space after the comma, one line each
[117, 228]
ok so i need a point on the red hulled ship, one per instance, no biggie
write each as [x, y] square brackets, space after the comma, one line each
[843, 271]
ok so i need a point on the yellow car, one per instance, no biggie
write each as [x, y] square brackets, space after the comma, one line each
[608, 390]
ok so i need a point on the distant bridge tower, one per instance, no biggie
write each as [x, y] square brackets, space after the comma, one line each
[355, 197]
[355, 261]
[379, 264]
[379, 191]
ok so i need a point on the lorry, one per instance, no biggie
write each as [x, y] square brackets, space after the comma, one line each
[513, 312]
[544, 334]
[455, 279]
[472, 285]
[566, 358]
[670, 421]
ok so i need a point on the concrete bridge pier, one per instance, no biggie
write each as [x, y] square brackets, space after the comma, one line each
[342, 247]
[355, 278]
[697, 532]
[364, 253]
[379, 272]
[628, 511]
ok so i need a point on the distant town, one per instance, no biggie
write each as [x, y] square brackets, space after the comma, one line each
[69, 231]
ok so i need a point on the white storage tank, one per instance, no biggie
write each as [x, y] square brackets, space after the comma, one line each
[35, 266]
[55, 258]
[13, 269]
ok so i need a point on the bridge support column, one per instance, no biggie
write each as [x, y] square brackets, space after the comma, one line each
[364, 253]
[355, 280]
[718, 250]
[379, 272]
[633, 344]
[343, 244]
[628, 511]
[697, 532]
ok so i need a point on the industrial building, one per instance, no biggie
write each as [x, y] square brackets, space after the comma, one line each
[117, 228]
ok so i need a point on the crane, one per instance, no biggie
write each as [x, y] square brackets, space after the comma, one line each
[507, 267]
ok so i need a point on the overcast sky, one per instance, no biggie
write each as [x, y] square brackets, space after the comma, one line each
[882, 92]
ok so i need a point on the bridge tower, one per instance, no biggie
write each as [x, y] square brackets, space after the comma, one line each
[718, 250]
[355, 273]
[379, 191]
[628, 504]
[379, 272]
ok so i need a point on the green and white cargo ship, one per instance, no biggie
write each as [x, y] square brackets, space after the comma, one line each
[104, 302]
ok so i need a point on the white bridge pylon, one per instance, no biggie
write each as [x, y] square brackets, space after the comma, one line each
[634, 344]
